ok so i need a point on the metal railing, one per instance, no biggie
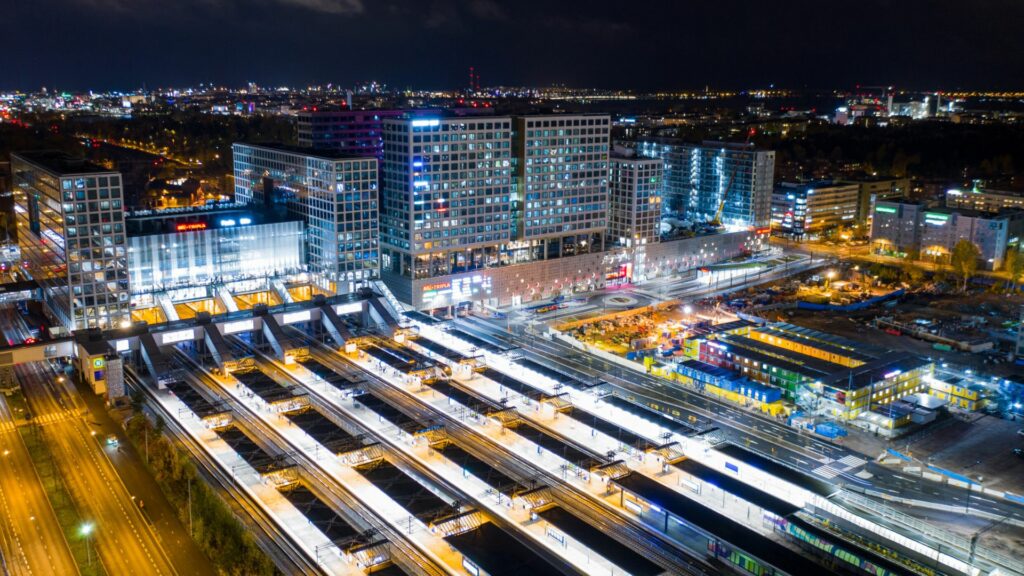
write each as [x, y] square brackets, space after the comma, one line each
[932, 531]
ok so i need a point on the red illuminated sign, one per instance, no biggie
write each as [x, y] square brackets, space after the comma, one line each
[189, 226]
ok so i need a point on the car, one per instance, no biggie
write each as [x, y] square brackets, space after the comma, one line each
[1018, 452]
[112, 440]
[1020, 432]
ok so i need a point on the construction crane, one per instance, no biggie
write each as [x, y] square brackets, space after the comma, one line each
[717, 220]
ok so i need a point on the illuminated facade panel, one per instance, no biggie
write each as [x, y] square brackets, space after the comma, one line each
[214, 255]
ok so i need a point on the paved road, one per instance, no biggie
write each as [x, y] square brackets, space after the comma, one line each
[121, 537]
[34, 542]
[174, 537]
[126, 539]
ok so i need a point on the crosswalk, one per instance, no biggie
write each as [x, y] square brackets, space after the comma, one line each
[53, 417]
[846, 464]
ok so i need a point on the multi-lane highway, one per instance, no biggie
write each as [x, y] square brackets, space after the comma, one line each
[34, 541]
[123, 540]
[115, 527]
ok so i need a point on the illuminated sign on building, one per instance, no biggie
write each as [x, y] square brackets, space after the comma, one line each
[98, 362]
[437, 287]
[190, 226]
[175, 337]
[240, 326]
[293, 317]
[343, 309]
[459, 289]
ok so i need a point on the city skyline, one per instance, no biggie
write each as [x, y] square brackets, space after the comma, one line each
[493, 288]
[933, 45]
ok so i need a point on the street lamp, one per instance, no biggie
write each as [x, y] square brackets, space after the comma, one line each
[86, 531]
[828, 278]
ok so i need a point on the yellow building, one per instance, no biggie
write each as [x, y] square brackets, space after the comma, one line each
[964, 396]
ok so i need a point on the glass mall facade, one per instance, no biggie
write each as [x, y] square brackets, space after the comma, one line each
[214, 255]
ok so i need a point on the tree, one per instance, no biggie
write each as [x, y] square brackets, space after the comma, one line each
[965, 260]
[913, 273]
[1014, 266]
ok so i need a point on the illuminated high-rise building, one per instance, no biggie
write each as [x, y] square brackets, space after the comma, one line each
[446, 197]
[561, 199]
[635, 208]
[505, 210]
[71, 233]
[335, 194]
[730, 181]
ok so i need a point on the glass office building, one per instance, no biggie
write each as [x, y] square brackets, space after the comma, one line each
[446, 193]
[701, 178]
[333, 192]
[356, 132]
[562, 181]
[71, 233]
[635, 208]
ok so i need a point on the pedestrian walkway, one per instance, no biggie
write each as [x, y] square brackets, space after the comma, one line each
[845, 465]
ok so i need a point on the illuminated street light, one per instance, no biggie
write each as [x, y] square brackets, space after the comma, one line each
[86, 531]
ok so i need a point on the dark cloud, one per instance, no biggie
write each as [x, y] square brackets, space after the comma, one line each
[118, 8]
[430, 43]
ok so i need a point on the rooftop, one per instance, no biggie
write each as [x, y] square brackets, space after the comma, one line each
[968, 192]
[784, 357]
[705, 144]
[61, 163]
[322, 153]
[816, 184]
[824, 341]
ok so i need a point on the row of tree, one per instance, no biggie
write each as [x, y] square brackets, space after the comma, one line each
[964, 261]
[215, 528]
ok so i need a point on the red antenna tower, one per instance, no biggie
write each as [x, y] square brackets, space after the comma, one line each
[472, 77]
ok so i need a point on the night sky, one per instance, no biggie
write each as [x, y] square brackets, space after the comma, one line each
[643, 44]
